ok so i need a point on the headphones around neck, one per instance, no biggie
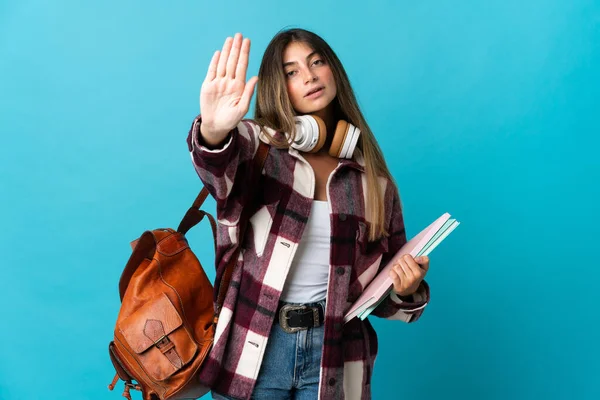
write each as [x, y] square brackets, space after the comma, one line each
[311, 134]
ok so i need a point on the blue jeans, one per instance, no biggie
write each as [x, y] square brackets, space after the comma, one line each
[290, 367]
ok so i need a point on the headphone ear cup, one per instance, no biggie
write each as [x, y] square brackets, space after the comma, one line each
[322, 134]
[350, 142]
[310, 133]
[339, 138]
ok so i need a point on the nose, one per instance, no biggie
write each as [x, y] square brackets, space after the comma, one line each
[310, 77]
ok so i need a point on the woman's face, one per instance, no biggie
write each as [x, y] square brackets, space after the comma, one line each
[307, 72]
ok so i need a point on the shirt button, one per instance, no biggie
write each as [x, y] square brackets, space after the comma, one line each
[331, 381]
[342, 217]
[340, 270]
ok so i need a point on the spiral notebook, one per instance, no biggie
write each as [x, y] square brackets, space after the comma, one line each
[381, 286]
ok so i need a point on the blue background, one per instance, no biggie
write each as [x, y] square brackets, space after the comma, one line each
[487, 110]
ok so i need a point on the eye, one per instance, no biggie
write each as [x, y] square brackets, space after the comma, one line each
[318, 60]
[290, 73]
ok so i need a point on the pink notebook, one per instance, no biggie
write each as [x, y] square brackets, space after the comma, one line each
[381, 285]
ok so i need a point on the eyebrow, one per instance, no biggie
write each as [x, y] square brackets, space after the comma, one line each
[294, 62]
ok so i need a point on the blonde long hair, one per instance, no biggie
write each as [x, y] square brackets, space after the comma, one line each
[274, 109]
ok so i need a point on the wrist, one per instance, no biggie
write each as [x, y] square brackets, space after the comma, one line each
[404, 296]
[212, 138]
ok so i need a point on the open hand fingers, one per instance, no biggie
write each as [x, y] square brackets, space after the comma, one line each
[212, 68]
[221, 67]
[248, 91]
[242, 64]
[234, 55]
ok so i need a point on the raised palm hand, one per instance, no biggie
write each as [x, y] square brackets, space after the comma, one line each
[225, 95]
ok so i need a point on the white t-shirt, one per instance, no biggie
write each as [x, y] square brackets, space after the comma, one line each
[309, 273]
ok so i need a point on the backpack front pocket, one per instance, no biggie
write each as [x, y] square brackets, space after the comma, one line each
[157, 334]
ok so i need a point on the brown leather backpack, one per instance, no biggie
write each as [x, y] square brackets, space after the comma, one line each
[167, 318]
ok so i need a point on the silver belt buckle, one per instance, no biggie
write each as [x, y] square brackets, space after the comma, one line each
[283, 318]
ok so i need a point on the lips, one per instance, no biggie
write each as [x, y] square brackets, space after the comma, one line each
[314, 90]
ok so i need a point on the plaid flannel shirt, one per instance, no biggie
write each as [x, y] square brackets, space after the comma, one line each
[284, 201]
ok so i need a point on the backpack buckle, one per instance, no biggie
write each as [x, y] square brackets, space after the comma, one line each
[162, 342]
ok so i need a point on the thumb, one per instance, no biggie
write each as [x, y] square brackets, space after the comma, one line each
[422, 259]
[248, 92]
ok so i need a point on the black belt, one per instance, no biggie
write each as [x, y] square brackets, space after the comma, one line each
[296, 317]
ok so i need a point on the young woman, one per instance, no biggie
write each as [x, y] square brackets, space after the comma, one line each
[326, 223]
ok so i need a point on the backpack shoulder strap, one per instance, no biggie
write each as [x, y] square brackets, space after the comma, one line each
[194, 215]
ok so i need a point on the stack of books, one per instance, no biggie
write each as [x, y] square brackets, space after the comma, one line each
[381, 286]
